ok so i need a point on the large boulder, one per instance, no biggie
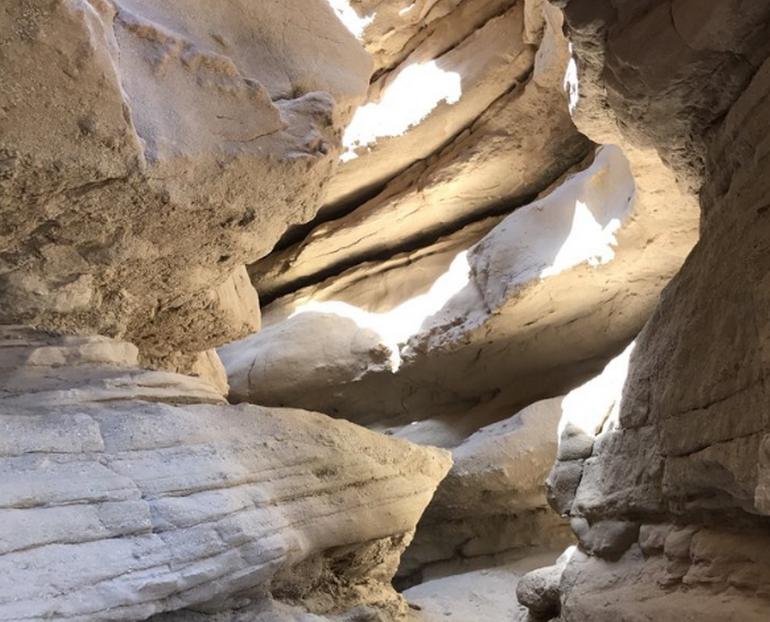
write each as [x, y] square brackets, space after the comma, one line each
[148, 150]
[127, 493]
[321, 352]
[492, 504]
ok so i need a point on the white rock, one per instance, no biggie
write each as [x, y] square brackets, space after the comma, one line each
[119, 504]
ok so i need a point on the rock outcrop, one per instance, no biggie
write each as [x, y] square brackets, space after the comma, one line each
[492, 505]
[670, 508]
[497, 160]
[516, 315]
[127, 493]
[458, 214]
[148, 151]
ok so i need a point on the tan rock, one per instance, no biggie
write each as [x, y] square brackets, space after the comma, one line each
[687, 445]
[150, 149]
[520, 309]
[426, 101]
[522, 143]
[322, 352]
[492, 503]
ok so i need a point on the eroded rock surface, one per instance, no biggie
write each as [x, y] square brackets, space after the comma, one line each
[493, 224]
[492, 505]
[127, 493]
[149, 150]
[670, 506]
[516, 315]
[502, 157]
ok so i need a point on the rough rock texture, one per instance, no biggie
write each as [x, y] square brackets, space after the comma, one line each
[187, 137]
[507, 154]
[671, 509]
[127, 493]
[539, 590]
[587, 411]
[516, 316]
[493, 223]
[493, 503]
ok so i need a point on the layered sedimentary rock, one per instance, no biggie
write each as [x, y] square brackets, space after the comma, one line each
[127, 493]
[491, 226]
[421, 278]
[500, 158]
[148, 150]
[425, 101]
[670, 508]
[515, 316]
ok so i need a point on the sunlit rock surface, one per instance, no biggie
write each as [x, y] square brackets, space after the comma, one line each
[536, 306]
[586, 411]
[505, 156]
[424, 102]
[127, 493]
[453, 210]
[150, 149]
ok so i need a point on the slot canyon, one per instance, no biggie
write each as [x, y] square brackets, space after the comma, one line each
[384, 310]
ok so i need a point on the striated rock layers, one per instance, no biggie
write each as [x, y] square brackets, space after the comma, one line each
[452, 137]
[671, 507]
[534, 307]
[147, 150]
[453, 221]
[127, 493]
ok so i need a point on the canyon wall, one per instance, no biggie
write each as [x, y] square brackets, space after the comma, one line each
[670, 506]
[376, 310]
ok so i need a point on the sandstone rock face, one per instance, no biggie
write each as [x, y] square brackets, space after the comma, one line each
[459, 214]
[491, 159]
[415, 282]
[670, 508]
[427, 99]
[186, 139]
[515, 315]
[127, 493]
